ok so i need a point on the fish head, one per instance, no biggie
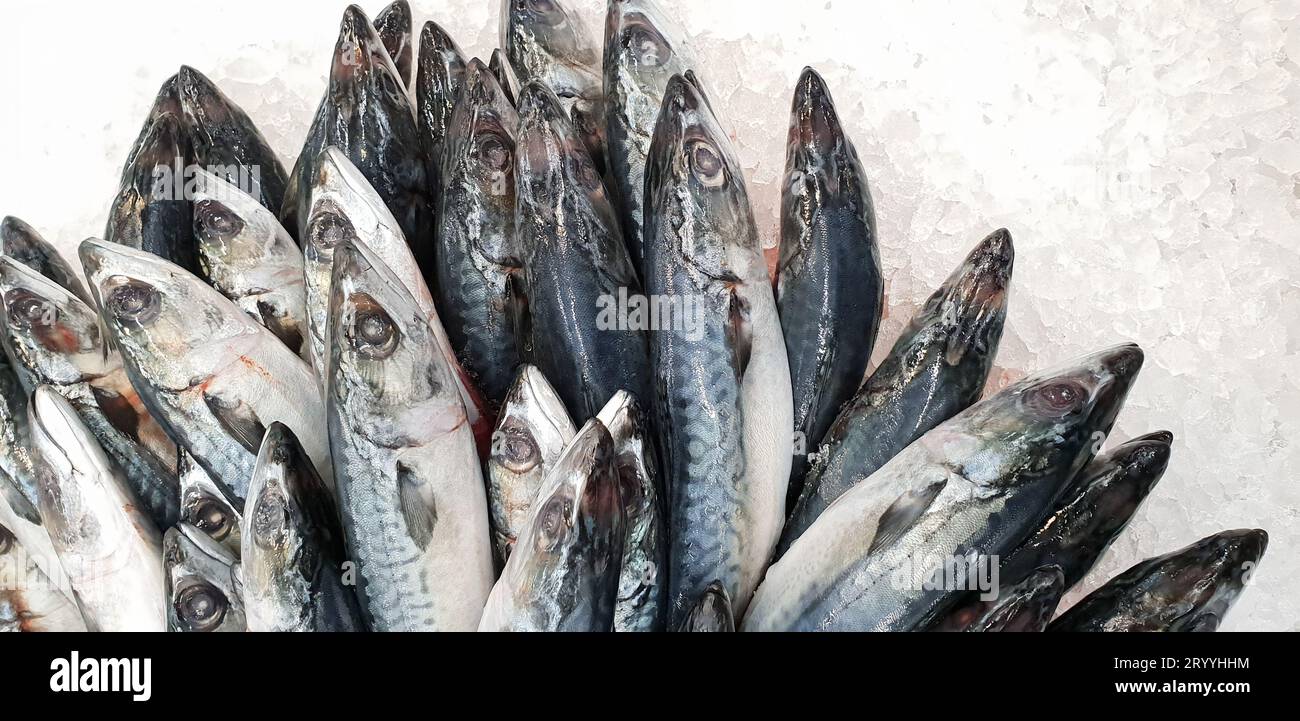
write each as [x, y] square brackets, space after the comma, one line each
[1141, 462]
[712, 612]
[577, 524]
[554, 164]
[342, 198]
[963, 319]
[385, 365]
[533, 429]
[481, 139]
[640, 40]
[209, 117]
[544, 39]
[205, 505]
[394, 24]
[74, 475]
[1214, 570]
[821, 162]
[160, 317]
[233, 227]
[362, 64]
[504, 72]
[52, 336]
[1050, 424]
[693, 174]
[202, 590]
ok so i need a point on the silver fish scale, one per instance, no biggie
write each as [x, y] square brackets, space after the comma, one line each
[477, 312]
[705, 460]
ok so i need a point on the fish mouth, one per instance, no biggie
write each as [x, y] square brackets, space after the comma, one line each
[1116, 369]
[975, 295]
[356, 51]
[17, 237]
[1145, 458]
[435, 40]
[1165, 437]
[1240, 546]
[815, 125]
[201, 99]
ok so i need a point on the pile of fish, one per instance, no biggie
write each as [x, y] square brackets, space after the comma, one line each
[502, 351]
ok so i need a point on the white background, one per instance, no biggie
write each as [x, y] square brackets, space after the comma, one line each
[1143, 154]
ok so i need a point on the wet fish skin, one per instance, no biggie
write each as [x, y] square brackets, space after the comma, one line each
[367, 114]
[723, 405]
[937, 368]
[963, 490]
[205, 506]
[575, 264]
[711, 613]
[410, 488]
[251, 259]
[480, 273]
[564, 574]
[223, 140]
[141, 219]
[437, 86]
[642, 588]
[644, 48]
[504, 72]
[830, 291]
[110, 551]
[546, 42]
[17, 467]
[1024, 606]
[293, 555]
[532, 432]
[212, 376]
[1190, 589]
[54, 339]
[1092, 512]
[203, 594]
[394, 24]
[346, 209]
[34, 603]
[23, 243]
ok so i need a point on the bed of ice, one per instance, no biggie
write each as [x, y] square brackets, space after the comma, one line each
[1145, 155]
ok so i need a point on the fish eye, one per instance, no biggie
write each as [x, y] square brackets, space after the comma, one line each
[518, 451]
[553, 524]
[328, 229]
[26, 310]
[372, 333]
[269, 519]
[201, 607]
[212, 219]
[134, 303]
[210, 517]
[647, 45]
[706, 164]
[493, 153]
[1057, 399]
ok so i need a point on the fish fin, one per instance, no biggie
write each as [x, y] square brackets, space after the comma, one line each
[740, 334]
[902, 513]
[239, 420]
[418, 509]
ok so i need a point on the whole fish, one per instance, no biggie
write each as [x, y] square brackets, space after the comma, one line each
[829, 288]
[1190, 589]
[394, 25]
[504, 72]
[54, 339]
[250, 258]
[723, 403]
[887, 555]
[292, 564]
[711, 613]
[564, 573]
[643, 49]
[29, 600]
[642, 590]
[202, 591]
[410, 488]
[479, 274]
[1093, 511]
[212, 376]
[533, 430]
[151, 211]
[437, 86]
[575, 265]
[548, 43]
[367, 114]
[938, 368]
[1026, 606]
[345, 208]
[223, 140]
[206, 507]
[110, 551]
[21, 242]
